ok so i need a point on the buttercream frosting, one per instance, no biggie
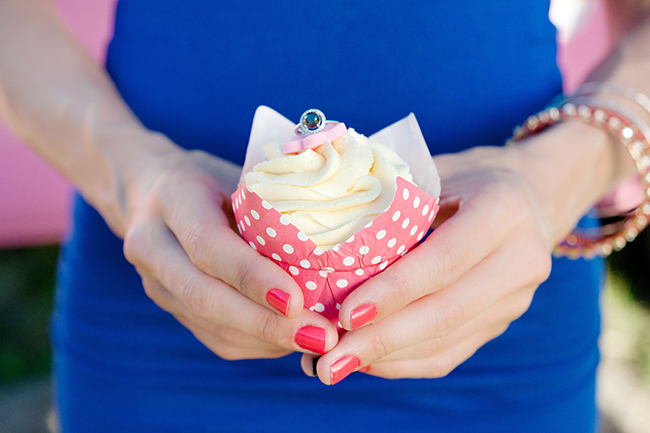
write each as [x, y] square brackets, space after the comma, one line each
[332, 191]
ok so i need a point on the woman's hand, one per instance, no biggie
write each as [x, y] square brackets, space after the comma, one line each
[502, 211]
[171, 206]
[179, 235]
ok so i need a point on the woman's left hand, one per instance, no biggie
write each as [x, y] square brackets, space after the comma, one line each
[502, 211]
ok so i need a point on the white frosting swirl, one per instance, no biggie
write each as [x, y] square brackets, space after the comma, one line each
[331, 192]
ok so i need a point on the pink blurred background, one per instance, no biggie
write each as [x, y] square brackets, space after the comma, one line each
[34, 199]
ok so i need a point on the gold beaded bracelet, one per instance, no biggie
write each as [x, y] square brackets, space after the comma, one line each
[631, 131]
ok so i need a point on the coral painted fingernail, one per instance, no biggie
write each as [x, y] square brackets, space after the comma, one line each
[279, 300]
[362, 315]
[311, 338]
[365, 369]
[342, 368]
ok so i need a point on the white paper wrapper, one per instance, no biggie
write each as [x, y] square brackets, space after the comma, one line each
[404, 137]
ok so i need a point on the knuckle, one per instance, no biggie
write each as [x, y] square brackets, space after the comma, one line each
[543, 264]
[265, 326]
[391, 373]
[230, 337]
[514, 205]
[382, 344]
[433, 346]
[227, 353]
[134, 245]
[513, 197]
[195, 238]
[442, 365]
[521, 304]
[193, 297]
[499, 330]
[149, 288]
[224, 342]
[244, 277]
[161, 190]
[449, 317]
[448, 265]
[400, 287]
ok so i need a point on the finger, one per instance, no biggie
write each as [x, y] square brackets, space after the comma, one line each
[448, 253]
[494, 321]
[228, 343]
[231, 344]
[210, 299]
[435, 366]
[193, 212]
[435, 316]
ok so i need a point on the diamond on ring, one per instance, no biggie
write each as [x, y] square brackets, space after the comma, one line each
[311, 122]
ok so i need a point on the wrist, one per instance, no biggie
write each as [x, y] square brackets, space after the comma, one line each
[569, 168]
[126, 160]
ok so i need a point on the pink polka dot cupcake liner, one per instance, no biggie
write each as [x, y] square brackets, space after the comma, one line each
[328, 277]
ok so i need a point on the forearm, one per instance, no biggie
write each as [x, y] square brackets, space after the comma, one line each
[54, 97]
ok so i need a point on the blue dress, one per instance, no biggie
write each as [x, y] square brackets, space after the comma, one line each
[196, 70]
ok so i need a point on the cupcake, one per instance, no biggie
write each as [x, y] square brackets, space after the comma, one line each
[331, 206]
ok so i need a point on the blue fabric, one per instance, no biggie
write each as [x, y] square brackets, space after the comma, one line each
[196, 71]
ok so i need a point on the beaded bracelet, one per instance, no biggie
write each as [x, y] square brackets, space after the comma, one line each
[633, 133]
[593, 88]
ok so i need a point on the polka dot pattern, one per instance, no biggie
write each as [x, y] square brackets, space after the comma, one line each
[328, 277]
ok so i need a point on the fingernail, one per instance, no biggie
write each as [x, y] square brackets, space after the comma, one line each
[362, 315]
[365, 369]
[311, 338]
[279, 300]
[343, 367]
[314, 362]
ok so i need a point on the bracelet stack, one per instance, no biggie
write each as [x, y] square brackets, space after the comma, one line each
[631, 131]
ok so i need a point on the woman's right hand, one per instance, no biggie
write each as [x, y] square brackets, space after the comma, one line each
[179, 234]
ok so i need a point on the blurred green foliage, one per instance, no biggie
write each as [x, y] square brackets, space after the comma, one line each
[26, 298]
[632, 264]
[629, 302]
[627, 322]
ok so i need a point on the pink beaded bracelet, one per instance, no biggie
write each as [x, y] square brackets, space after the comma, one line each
[633, 133]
